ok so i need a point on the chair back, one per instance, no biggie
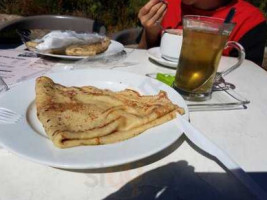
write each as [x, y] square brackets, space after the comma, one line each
[128, 36]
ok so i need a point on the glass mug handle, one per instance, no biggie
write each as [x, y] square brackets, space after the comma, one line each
[241, 58]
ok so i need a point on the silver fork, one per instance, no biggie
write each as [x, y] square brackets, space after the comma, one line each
[8, 116]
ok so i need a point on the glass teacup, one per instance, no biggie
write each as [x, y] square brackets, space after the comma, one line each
[204, 39]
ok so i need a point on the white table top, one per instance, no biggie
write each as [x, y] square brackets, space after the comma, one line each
[240, 133]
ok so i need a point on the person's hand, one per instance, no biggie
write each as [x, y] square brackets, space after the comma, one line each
[152, 13]
[150, 16]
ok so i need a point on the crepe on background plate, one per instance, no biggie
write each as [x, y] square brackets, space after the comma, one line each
[74, 116]
[70, 43]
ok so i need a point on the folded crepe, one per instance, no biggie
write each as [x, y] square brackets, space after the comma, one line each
[73, 116]
[70, 43]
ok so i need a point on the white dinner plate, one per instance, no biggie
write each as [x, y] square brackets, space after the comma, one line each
[114, 48]
[28, 139]
[154, 54]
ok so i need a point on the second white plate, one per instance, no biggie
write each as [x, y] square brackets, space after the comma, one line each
[114, 48]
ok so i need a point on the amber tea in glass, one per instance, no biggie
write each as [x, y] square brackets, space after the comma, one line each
[204, 39]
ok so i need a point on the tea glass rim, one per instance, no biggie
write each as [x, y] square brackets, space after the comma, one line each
[202, 18]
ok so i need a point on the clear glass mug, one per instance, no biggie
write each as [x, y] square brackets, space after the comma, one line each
[204, 39]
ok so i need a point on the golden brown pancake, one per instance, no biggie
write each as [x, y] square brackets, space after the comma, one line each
[88, 49]
[73, 116]
[31, 44]
[76, 49]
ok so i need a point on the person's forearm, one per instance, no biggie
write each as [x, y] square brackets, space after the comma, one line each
[149, 40]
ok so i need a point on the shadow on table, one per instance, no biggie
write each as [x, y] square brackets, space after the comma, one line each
[179, 181]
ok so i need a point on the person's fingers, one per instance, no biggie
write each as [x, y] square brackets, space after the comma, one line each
[157, 18]
[157, 12]
[151, 12]
[158, 21]
[146, 9]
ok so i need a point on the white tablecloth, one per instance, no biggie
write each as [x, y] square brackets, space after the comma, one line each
[179, 171]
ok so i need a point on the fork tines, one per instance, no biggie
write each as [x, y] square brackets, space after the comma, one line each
[8, 116]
